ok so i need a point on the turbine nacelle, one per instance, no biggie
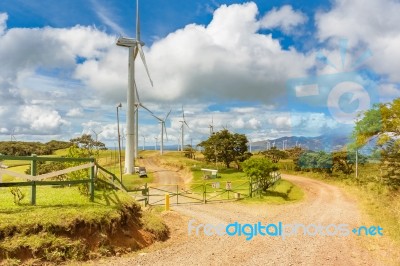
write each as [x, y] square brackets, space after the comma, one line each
[128, 42]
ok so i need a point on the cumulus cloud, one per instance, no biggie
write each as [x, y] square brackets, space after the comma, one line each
[36, 84]
[374, 25]
[284, 18]
[226, 59]
[75, 112]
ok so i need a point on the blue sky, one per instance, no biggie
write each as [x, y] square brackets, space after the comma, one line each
[250, 66]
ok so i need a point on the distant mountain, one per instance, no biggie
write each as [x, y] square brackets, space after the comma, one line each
[324, 143]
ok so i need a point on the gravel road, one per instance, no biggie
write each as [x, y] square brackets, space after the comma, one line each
[324, 204]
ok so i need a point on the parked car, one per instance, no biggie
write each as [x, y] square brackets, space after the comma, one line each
[142, 172]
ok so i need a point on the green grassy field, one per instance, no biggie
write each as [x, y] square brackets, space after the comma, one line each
[282, 192]
[49, 230]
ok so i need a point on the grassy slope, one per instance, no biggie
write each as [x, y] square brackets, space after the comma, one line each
[33, 227]
[379, 203]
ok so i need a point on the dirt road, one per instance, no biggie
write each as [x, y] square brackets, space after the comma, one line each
[324, 204]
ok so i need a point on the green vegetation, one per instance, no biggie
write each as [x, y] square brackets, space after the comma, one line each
[226, 147]
[280, 192]
[323, 162]
[274, 154]
[383, 123]
[259, 170]
[65, 225]
[20, 148]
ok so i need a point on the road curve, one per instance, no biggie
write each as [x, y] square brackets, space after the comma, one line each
[324, 204]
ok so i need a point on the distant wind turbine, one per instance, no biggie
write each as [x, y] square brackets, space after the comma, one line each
[211, 126]
[183, 122]
[163, 130]
[135, 48]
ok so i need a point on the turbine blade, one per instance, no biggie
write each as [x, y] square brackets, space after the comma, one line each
[144, 62]
[137, 21]
[136, 92]
[135, 52]
[165, 130]
[186, 123]
[148, 110]
[166, 117]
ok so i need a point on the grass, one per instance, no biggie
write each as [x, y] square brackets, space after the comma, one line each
[377, 201]
[152, 222]
[281, 192]
[58, 206]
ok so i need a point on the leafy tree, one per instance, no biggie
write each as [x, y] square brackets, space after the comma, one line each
[259, 170]
[274, 154]
[88, 144]
[189, 152]
[294, 154]
[316, 162]
[22, 148]
[382, 122]
[344, 161]
[226, 147]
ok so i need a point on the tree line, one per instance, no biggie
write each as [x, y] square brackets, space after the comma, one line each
[22, 148]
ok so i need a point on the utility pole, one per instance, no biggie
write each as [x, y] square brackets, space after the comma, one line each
[119, 143]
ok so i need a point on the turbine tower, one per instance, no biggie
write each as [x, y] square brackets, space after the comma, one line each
[135, 48]
[163, 130]
[211, 126]
[183, 121]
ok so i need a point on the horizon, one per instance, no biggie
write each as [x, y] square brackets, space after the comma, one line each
[214, 58]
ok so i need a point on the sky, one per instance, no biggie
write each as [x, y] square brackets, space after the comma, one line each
[266, 69]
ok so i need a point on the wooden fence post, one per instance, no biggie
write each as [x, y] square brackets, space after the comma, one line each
[33, 173]
[92, 176]
[251, 188]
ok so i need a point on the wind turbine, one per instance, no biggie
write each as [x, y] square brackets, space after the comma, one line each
[12, 135]
[144, 141]
[183, 121]
[135, 48]
[155, 147]
[211, 126]
[163, 129]
[139, 104]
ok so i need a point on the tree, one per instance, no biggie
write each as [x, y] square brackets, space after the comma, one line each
[225, 147]
[316, 162]
[344, 161]
[294, 154]
[190, 152]
[259, 170]
[89, 145]
[275, 155]
[382, 123]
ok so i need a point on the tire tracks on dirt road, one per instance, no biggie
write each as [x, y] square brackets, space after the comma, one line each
[323, 204]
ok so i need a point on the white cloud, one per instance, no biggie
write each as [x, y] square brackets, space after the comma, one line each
[284, 18]
[75, 112]
[374, 25]
[41, 120]
[3, 21]
[254, 123]
[226, 59]
[389, 92]
[106, 17]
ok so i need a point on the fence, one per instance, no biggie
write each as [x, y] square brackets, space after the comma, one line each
[153, 194]
[34, 180]
[205, 192]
